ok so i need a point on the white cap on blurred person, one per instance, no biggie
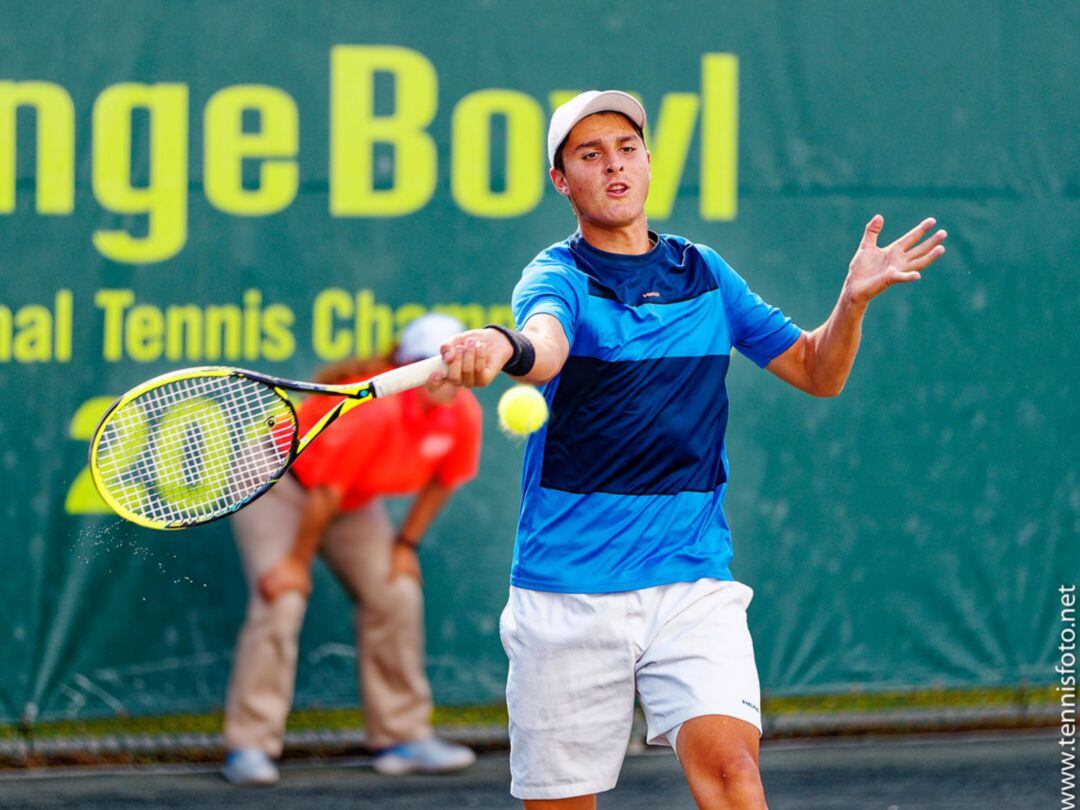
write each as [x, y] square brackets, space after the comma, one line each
[422, 338]
[586, 104]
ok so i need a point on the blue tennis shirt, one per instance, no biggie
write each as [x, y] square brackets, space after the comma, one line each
[624, 486]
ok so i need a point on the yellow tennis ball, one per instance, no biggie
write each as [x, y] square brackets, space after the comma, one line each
[522, 410]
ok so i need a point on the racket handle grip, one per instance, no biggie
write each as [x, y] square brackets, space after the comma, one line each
[411, 376]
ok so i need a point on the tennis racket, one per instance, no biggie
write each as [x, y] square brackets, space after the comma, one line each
[195, 445]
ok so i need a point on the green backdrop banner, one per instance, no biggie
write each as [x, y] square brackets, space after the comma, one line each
[281, 184]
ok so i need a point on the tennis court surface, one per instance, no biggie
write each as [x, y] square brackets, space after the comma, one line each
[1016, 770]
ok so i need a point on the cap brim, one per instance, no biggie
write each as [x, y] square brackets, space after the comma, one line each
[604, 101]
[613, 101]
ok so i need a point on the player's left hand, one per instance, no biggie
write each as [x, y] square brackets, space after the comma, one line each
[873, 268]
[404, 562]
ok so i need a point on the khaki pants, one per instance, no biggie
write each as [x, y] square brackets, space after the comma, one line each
[389, 626]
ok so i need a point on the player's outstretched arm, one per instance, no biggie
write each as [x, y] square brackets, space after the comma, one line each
[820, 362]
[476, 357]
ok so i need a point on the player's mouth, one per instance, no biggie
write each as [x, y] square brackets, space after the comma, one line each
[618, 189]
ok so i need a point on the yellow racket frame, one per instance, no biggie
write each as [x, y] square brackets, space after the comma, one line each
[355, 394]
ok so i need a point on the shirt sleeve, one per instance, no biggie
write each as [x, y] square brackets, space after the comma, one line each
[759, 331]
[461, 464]
[546, 288]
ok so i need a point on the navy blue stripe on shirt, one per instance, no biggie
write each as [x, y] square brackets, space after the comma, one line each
[638, 427]
[684, 277]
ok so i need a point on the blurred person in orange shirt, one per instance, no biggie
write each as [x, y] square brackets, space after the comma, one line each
[331, 503]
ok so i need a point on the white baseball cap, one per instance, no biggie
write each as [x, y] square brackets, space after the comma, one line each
[423, 337]
[586, 104]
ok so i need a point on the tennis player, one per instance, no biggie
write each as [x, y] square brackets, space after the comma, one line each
[331, 502]
[621, 579]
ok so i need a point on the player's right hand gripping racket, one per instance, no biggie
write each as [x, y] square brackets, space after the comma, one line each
[195, 445]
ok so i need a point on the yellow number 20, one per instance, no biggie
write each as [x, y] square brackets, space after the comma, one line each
[82, 497]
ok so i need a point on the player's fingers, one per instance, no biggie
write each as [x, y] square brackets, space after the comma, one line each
[904, 278]
[435, 382]
[925, 261]
[484, 371]
[926, 245]
[916, 233]
[438, 378]
[468, 363]
[452, 358]
[873, 228]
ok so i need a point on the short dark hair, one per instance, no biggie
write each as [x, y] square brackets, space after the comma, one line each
[558, 163]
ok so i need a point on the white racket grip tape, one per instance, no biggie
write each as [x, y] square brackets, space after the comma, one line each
[411, 376]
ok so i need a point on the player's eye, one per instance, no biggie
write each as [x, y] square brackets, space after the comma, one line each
[589, 155]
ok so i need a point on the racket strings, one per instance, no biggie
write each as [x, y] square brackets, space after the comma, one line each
[248, 468]
[193, 449]
[203, 446]
[191, 456]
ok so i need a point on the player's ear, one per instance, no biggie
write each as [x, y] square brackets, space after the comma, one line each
[558, 179]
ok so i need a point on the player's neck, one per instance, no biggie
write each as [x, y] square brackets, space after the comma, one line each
[632, 239]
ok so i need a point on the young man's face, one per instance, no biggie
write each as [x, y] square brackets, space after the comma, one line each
[605, 171]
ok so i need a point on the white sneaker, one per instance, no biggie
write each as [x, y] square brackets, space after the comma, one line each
[250, 766]
[425, 756]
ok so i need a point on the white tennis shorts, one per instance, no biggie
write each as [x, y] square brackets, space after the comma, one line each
[576, 661]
